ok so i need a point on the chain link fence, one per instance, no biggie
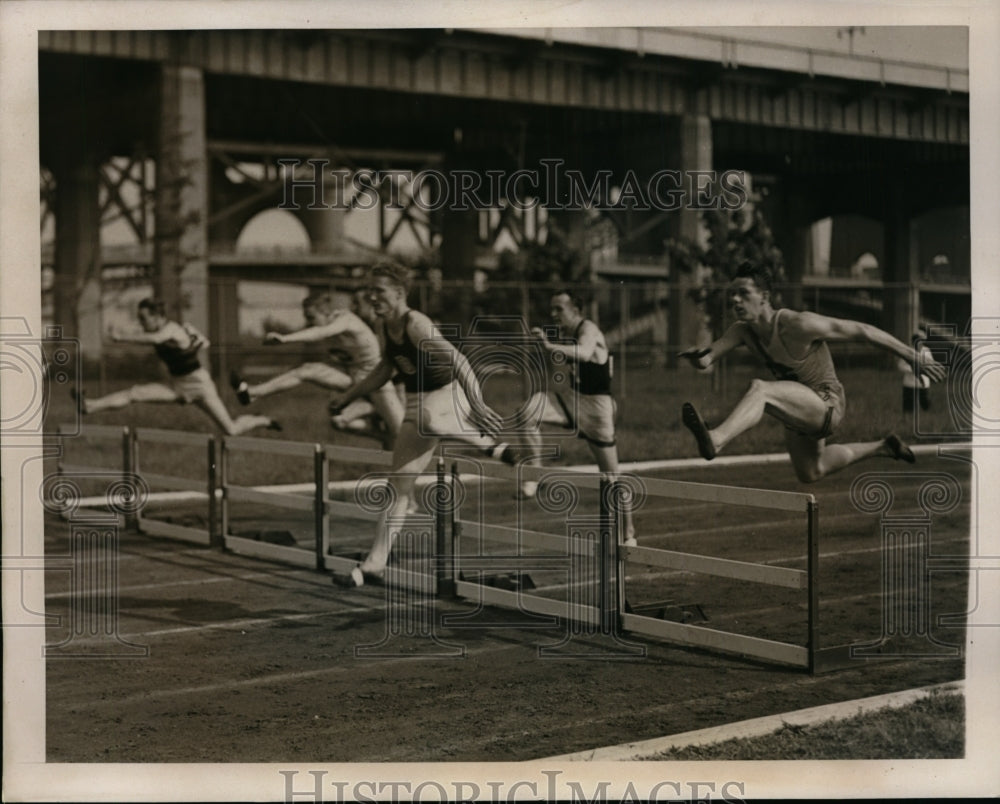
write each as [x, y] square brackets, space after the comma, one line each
[634, 316]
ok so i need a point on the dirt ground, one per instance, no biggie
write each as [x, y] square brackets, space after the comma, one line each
[225, 658]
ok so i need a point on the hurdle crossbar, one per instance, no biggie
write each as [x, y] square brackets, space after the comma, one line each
[725, 641]
[685, 634]
[154, 527]
[315, 503]
[721, 567]
[404, 578]
[106, 432]
[728, 641]
[730, 495]
[369, 457]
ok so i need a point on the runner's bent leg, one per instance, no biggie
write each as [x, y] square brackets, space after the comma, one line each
[790, 402]
[214, 407]
[390, 407]
[146, 392]
[813, 459]
[317, 373]
[412, 454]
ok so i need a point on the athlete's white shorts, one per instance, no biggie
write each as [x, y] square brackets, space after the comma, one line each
[443, 413]
[194, 387]
[591, 415]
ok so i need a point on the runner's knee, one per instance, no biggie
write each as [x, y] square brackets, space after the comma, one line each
[307, 371]
[808, 474]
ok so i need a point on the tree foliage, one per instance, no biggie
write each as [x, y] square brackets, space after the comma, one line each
[734, 237]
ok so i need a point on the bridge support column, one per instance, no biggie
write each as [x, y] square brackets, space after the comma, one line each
[693, 151]
[459, 227]
[223, 306]
[901, 305]
[789, 214]
[181, 203]
[78, 250]
[325, 228]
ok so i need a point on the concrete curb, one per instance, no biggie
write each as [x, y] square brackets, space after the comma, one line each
[757, 727]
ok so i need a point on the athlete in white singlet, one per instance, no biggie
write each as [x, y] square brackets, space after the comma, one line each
[805, 394]
[352, 346]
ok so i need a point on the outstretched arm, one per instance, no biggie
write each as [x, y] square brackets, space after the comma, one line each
[171, 331]
[422, 331]
[583, 349]
[340, 323]
[703, 358]
[813, 327]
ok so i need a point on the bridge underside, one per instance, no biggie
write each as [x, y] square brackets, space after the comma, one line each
[202, 128]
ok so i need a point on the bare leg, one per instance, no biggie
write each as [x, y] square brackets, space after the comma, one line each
[412, 454]
[214, 407]
[351, 417]
[390, 407]
[814, 459]
[607, 462]
[789, 402]
[147, 392]
[531, 436]
[317, 373]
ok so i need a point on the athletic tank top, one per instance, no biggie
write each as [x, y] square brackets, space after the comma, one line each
[180, 362]
[814, 370]
[405, 356]
[589, 378]
[358, 347]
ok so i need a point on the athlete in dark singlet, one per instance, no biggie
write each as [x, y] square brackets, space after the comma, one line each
[587, 405]
[178, 347]
[805, 394]
[443, 400]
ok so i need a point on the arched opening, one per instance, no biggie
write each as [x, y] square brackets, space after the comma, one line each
[273, 230]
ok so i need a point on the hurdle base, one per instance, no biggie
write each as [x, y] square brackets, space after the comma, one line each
[282, 537]
[356, 557]
[669, 610]
[510, 581]
[842, 657]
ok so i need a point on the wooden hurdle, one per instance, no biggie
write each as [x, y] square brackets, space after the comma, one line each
[610, 613]
[314, 502]
[726, 641]
[154, 527]
[589, 538]
[122, 438]
[603, 616]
